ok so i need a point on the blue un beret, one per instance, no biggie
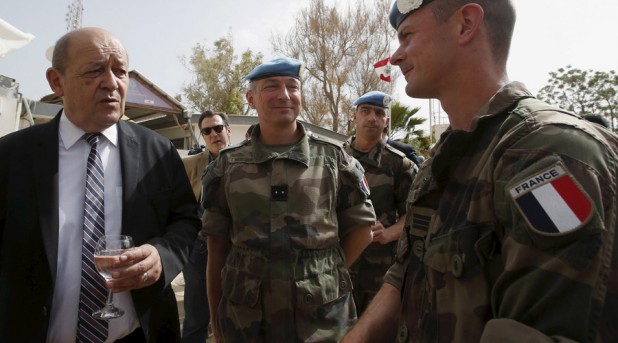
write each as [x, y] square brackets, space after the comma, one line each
[374, 98]
[284, 66]
[402, 9]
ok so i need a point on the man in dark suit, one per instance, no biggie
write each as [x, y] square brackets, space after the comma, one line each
[42, 185]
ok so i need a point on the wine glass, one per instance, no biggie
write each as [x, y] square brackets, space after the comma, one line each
[107, 247]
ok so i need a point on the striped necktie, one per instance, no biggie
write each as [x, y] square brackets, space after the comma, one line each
[93, 292]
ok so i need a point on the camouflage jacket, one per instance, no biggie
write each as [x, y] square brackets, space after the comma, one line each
[510, 230]
[389, 175]
[285, 278]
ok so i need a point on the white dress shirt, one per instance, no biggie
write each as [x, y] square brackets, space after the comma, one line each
[73, 153]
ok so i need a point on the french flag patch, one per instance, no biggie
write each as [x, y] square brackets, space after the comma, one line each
[365, 186]
[552, 202]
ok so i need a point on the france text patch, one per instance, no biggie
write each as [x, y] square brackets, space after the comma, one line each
[552, 202]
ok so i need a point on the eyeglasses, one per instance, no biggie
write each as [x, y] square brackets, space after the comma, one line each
[206, 131]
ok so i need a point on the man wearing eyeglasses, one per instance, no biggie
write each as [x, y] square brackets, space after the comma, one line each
[215, 130]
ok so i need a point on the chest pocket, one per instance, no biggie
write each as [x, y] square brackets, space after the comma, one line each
[461, 251]
[412, 241]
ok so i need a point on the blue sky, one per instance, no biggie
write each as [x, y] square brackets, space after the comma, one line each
[549, 34]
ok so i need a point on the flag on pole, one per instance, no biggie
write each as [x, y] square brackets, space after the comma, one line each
[383, 69]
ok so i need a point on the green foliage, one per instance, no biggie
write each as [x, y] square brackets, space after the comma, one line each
[403, 126]
[218, 82]
[403, 121]
[583, 92]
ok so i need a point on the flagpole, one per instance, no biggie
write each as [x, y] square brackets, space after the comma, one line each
[430, 127]
[390, 103]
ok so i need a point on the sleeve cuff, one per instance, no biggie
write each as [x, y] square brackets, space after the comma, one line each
[215, 224]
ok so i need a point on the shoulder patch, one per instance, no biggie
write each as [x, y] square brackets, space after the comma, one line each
[357, 172]
[552, 202]
[365, 186]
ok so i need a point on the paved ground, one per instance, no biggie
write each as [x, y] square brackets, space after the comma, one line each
[178, 285]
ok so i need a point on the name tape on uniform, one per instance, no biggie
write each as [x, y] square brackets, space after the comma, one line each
[552, 202]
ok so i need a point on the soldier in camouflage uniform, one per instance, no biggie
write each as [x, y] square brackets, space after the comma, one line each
[389, 175]
[510, 229]
[286, 214]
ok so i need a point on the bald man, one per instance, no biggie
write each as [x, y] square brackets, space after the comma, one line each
[44, 236]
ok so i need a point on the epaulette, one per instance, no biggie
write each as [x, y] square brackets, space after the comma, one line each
[325, 140]
[531, 105]
[234, 146]
[599, 133]
[394, 150]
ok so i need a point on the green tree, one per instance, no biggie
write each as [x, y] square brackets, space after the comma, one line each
[339, 47]
[403, 126]
[218, 77]
[583, 92]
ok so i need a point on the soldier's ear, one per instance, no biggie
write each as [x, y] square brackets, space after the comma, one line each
[470, 18]
[249, 96]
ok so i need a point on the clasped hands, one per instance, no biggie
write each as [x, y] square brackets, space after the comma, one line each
[380, 234]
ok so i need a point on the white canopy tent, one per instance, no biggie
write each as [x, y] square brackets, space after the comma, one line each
[12, 38]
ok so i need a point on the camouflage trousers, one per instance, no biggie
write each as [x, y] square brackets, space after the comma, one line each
[297, 296]
[368, 272]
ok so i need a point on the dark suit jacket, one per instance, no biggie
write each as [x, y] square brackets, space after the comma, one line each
[158, 208]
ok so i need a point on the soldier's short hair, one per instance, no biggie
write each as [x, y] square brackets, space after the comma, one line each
[499, 18]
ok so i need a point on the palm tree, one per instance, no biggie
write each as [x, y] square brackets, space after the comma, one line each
[404, 122]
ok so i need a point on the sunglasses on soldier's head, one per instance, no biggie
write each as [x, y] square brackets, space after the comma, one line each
[206, 131]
